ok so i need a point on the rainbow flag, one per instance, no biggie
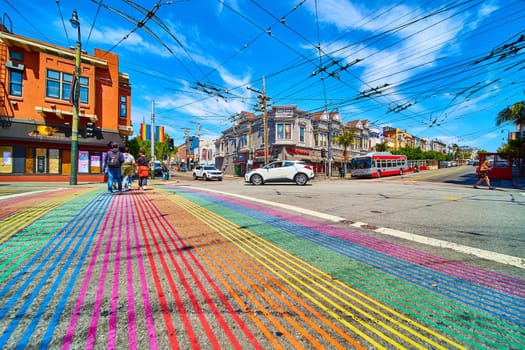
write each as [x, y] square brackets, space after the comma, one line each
[159, 134]
[145, 133]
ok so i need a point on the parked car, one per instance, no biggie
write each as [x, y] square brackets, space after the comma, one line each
[281, 171]
[207, 172]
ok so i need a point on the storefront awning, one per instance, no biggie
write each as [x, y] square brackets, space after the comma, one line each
[31, 133]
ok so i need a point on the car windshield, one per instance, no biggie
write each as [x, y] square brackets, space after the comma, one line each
[210, 168]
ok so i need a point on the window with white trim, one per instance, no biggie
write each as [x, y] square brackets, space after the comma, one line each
[284, 131]
[321, 139]
[301, 133]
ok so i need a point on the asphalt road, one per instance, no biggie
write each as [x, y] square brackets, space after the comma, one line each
[439, 204]
[335, 264]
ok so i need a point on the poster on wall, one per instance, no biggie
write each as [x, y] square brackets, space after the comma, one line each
[95, 164]
[83, 162]
[6, 165]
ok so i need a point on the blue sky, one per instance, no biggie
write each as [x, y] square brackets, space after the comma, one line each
[437, 69]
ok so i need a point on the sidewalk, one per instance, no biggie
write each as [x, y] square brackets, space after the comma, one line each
[518, 181]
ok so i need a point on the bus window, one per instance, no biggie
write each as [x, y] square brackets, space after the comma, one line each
[361, 163]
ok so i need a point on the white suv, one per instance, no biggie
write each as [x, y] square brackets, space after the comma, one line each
[207, 172]
[281, 171]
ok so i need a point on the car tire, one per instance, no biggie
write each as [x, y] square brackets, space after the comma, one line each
[206, 177]
[195, 177]
[301, 179]
[256, 180]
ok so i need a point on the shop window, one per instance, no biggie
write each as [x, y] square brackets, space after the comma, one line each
[54, 161]
[6, 163]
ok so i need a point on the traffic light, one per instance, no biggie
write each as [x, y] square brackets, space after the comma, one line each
[90, 129]
[171, 146]
[323, 153]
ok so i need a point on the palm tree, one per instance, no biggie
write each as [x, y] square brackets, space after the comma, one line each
[345, 139]
[382, 147]
[514, 114]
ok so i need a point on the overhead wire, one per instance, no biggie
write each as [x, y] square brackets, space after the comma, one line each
[342, 93]
[93, 23]
[57, 2]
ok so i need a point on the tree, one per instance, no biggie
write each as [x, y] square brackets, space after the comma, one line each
[160, 148]
[412, 153]
[382, 147]
[514, 114]
[345, 139]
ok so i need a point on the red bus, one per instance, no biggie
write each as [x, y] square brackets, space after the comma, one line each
[377, 164]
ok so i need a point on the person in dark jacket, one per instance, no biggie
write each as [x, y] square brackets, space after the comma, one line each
[113, 161]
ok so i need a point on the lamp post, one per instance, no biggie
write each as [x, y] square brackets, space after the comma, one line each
[76, 99]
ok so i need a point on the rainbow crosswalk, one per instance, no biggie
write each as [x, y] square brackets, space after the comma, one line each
[179, 268]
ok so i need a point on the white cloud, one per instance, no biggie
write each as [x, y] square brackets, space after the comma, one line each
[342, 14]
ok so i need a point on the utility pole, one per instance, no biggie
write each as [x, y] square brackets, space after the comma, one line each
[330, 152]
[76, 100]
[152, 130]
[265, 119]
[263, 99]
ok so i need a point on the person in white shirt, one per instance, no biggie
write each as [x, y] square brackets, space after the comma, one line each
[128, 169]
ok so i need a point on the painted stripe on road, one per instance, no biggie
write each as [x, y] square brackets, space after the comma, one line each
[485, 254]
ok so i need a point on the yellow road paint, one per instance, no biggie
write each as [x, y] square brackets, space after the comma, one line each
[451, 198]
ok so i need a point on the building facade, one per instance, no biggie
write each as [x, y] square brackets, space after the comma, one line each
[293, 134]
[36, 110]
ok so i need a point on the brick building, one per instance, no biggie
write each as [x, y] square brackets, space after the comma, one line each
[36, 111]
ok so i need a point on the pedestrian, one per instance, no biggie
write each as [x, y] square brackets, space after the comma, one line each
[143, 166]
[483, 174]
[128, 169]
[165, 172]
[113, 161]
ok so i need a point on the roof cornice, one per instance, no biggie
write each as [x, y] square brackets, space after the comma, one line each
[38, 46]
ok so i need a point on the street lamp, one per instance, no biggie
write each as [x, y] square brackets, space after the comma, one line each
[76, 99]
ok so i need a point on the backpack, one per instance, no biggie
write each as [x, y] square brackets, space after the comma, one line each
[113, 160]
[128, 158]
